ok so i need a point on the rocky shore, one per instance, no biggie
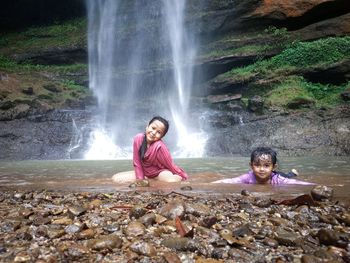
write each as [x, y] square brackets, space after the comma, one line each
[139, 226]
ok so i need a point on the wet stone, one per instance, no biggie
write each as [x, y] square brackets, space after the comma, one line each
[242, 231]
[22, 257]
[105, 242]
[95, 221]
[37, 221]
[148, 219]
[179, 243]
[24, 236]
[95, 204]
[76, 251]
[197, 209]
[219, 253]
[271, 242]
[245, 206]
[287, 238]
[19, 196]
[263, 202]
[55, 232]
[226, 228]
[344, 219]
[324, 255]
[41, 231]
[173, 209]
[135, 229]
[171, 258]
[245, 192]
[10, 226]
[74, 228]
[2, 249]
[143, 248]
[137, 212]
[140, 183]
[76, 210]
[186, 188]
[334, 238]
[62, 221]
[26, 213]
[86, 234]
[208, 221]
[112, 227]
[322, 192]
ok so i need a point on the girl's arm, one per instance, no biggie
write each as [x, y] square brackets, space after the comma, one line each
[136, 158]
[242, 179]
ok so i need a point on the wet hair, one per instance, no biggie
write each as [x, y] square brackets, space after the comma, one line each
[260, 151]
[143, 146]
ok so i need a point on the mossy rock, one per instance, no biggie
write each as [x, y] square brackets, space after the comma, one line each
[6, 105]
[45, 97]
[52, 88]
[300, 103]
[4, 94]
[345, 95]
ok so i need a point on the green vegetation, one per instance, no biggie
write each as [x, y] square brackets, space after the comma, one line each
[298, 89]
[278, 78]
[253, 43]
[278, 32]
[51, 85]
[71, 33]
[247, 49]
[298, 55]
[11, 66]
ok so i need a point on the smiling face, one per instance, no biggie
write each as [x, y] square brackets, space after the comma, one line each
[154, 131]
[262, 168]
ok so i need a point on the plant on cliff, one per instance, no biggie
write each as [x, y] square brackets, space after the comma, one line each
[70, 33]
[297, 56]
[297, 89]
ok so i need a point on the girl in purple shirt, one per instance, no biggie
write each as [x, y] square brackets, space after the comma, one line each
[263, 162]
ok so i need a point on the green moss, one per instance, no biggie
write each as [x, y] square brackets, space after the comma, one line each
[247, 49]
[70, 33]
[12, 66]
[298, 89]
[299, 55]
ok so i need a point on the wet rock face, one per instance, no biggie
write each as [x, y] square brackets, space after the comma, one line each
[51, 226]
[43, 135]
[313, 133]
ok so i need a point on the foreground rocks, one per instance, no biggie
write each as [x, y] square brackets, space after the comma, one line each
[48, 226]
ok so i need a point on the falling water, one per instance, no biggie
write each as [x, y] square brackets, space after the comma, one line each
[140, 65]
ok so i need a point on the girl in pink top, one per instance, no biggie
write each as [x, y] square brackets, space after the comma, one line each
[151, 157]
[263, 162]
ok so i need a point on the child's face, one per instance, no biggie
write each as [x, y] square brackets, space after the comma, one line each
[262, 168]
[154, 131]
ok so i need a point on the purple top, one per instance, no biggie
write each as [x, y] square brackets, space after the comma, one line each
[249, 178]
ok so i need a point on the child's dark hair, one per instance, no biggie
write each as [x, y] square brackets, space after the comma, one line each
[260, 151]
[143, 147]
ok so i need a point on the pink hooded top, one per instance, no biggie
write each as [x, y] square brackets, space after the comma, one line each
[249, 178]
[157, 159]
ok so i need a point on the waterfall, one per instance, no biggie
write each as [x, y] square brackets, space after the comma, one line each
[140, 65]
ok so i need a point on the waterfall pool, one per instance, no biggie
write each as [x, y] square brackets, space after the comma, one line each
[87, 175]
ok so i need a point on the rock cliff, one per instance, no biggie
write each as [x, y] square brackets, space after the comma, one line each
[30, 129]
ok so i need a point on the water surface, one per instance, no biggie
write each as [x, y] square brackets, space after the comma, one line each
[87, 175]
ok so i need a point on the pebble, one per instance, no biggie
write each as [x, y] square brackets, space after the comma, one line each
[49, 226]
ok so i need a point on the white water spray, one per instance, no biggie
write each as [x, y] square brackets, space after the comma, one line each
[123, 65]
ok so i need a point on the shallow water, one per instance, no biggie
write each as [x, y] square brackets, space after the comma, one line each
[83, 175]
